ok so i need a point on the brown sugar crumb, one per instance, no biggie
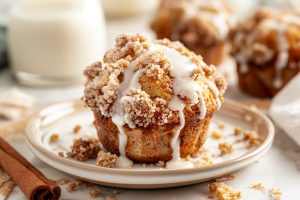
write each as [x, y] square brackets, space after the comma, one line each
[61, 154]
[257, 186]
[225, 148]
[84, 149]
[54, 137]
[77, 184]
[76, 128]
[94, 193]
[223, 192]
[63, 181]
[216, 135]
[205, 161]
[161, 164]
[221, 125]
[111, 198]
[253, 138]
[237, 131]
[106, 159]
[275, 194]
[228, 177]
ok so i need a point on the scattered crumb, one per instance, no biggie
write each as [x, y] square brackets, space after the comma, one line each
[54, 137]
[237, 131]
[225, 148]
[216, 135]
[111, 198]
[188, 158]
[221, 125]
[198, 153]
[161, 164]
[253, 138]
[275, 194]
[76, 128]
[228, 177]
[223, 191]
[77, 184]
[257, 186]
[94, 193]
[63, 181]
[106, 159]
[205, 161]
[61, 154]
[84, 149]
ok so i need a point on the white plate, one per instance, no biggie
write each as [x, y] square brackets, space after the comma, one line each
[62, 117]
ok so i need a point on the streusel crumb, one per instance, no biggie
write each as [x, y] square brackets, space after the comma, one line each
[106, 159]
[84, 149]
[77, 184]
[76, 128]
[275, 194]
[95, 192]
[161, 164]
[111, 198]
[223, 192]
[221, 125]
[257, 186]
[225, 148]
[205, 161]
[216, 135]
[54, 137]
[253, 138]
[237, 131]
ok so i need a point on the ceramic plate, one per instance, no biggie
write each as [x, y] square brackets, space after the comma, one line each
[61, 118]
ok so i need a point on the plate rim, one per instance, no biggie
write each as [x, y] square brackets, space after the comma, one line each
[85, 166]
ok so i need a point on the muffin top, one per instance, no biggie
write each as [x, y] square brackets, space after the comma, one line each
[269, 38]
[149, 84]
[194, 22]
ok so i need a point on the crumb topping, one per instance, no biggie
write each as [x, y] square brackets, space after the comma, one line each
[106, 159]
[223, 192]
[146, 105]
[84, 149]
[225, 148]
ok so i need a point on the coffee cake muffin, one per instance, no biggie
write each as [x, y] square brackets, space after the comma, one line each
[267, 50]
[201, 25]
[152, 101]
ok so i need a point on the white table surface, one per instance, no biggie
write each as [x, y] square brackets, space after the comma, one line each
[279, 168]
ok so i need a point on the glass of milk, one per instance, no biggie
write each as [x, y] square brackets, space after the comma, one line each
[52, 41]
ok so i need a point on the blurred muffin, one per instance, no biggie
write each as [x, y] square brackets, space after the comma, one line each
[201, 25]
[152, 101]
[267, 50]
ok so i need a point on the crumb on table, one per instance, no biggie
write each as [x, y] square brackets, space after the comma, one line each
[77, 184]
[106, 159]
[63, 181]
[225, 148]
[110, 198]
[223, 192]
[54, 137]
[84, 149]
[257, 186]
[275, 194]
[76, 128]
[95, 192]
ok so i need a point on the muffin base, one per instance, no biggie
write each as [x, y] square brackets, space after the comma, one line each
[258, 81]
[153, 144]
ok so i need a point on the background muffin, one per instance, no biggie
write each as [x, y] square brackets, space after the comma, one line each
[201, 25]
[152, 101]
[266, 48]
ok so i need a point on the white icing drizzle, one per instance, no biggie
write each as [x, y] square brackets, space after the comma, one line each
[183, 85]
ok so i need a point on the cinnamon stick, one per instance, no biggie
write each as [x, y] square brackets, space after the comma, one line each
[31, 181]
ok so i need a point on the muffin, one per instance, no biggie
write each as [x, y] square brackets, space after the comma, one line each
[266, 48]
[201, 25]
[152, 101]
